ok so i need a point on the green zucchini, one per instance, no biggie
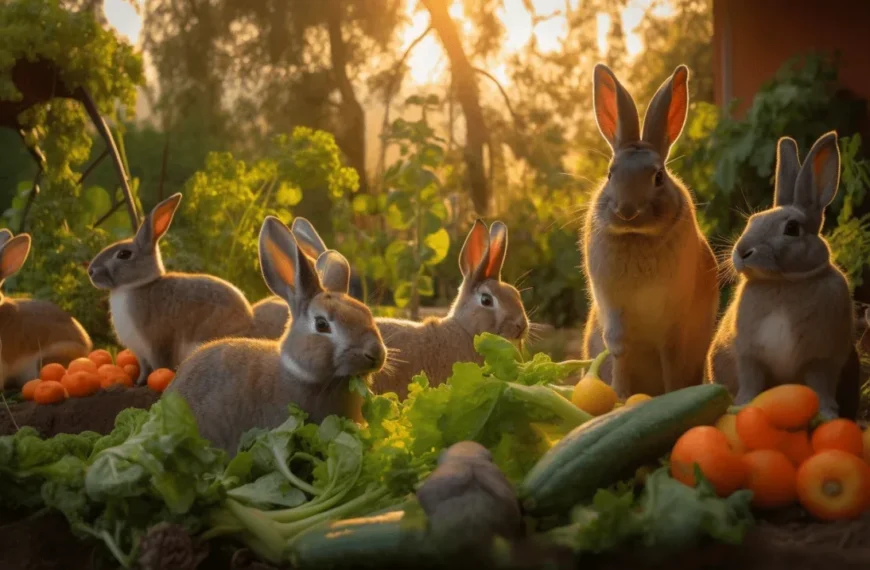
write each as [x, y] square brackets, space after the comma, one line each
[381, 541]
[602, 451]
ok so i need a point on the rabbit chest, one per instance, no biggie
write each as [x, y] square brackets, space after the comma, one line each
[127, 323]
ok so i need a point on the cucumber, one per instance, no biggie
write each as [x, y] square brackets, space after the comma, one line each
[602, 451]
[388, 540]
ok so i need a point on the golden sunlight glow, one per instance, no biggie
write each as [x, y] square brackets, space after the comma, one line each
[428, 63]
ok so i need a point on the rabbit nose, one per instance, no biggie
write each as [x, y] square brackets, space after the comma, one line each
[746, 254]
[627, 212]
[375, 355]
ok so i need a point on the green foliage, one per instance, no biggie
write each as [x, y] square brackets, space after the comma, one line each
[224, 204]
[850, 239]
[84, 54]
[730, 163]
[414, 209]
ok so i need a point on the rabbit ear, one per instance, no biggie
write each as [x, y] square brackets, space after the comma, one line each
[819, 177]
[307, 238]
[5, 235]
[498, 242]
[788, 165]
[13, 255]
[334, 271]
[615, 110]
[474, 249]
[667, 111]
[287, 271]
[157, 222]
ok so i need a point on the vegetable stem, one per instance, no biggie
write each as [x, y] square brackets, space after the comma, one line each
[264, 530]
[549, 399]
[597, 362]
[299, 483]
[289, 530]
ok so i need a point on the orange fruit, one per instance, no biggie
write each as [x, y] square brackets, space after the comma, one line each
[833, 485]
[49, 392]
[81, 365]
[113, 378]
[796, 446]
[635, 399]
[100, 357]
[708, 448]
[727, 424]
[789, 406]
[771, 477]
[841, 434]
[53, 371]
[755, 430]
[29, 388]
[160, 379]
[126, 357]
[81, 384]
[132, 370]
[594, 396]
[107, 369]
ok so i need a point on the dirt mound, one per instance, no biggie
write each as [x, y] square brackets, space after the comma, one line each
[94, 413]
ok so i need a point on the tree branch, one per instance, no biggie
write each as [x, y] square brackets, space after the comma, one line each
[504, 94]
[477, 133]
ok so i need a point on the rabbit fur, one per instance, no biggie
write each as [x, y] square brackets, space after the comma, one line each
[792, 317]
[484, 303]
[233, 385]
[162, 317]
[33, 332]
[653, 277]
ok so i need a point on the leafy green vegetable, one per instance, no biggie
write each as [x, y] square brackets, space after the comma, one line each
[667, 516]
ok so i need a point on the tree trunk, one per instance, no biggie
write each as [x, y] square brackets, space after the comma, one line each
[477, 134]
[353, 140]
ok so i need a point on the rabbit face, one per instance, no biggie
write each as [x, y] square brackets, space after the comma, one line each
[331, 335]
[133, 262]
[779, 243]
[485, 303]
[335, 335]
[784, 242]
[639, 195]
[493, 307]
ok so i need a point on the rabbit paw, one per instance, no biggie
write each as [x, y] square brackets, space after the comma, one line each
[143, 375]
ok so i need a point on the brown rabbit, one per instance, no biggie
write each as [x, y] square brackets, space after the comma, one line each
[792, 317]
[484, 304]
[233, 385]
[652, 275]
[33, 333]
[162, 317]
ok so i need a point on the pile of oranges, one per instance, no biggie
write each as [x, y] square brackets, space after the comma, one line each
[770, 448]
[87, 376]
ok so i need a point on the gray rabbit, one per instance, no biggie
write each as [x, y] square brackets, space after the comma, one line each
[792, 318]
[653, 277]
[163, 317]
[235, 384]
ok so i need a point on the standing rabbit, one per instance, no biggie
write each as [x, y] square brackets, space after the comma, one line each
[484, 303]
[233, 385]
[653, 277]
[792, 316]
[162, 317]
[33, 333]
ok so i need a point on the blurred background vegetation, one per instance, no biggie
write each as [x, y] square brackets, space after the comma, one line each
[351, 114]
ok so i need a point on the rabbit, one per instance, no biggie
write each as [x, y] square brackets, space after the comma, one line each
[792, 317]
[484, 303]
[652, 276]
[233, 385]
[33, 333]
[162, 317]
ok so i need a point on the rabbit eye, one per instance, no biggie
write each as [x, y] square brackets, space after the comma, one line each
[486, 299]
[124, 254]
[321, 325]
[659, 178]
[792, 228]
